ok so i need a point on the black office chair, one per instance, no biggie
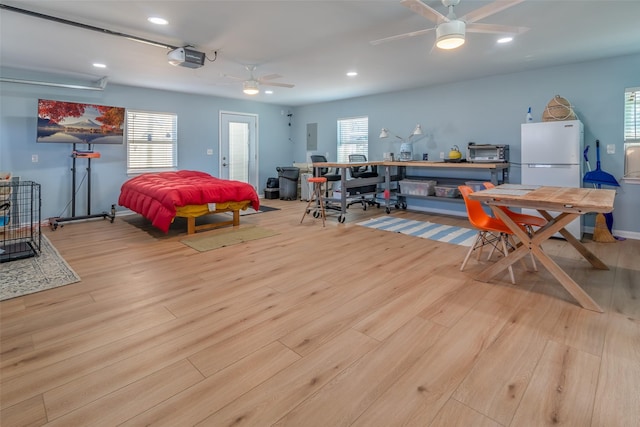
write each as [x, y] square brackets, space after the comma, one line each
[363, 172]
[332, 176]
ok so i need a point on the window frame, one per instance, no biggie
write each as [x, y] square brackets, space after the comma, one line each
[354, 143]
[167, 157]
[632, 135]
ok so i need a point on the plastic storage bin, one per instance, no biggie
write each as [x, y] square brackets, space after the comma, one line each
[271, 193]
[448, 191]
[417, 188]
[288, 182]
[475, 185]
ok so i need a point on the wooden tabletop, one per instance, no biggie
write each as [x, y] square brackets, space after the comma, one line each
[560, 199]
[416, 163]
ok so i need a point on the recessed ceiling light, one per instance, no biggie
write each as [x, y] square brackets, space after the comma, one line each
[99, 65]
[158, 21]
[505, 40]
[352, 73]
[268, 92]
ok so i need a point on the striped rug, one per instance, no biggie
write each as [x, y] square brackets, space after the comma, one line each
[426, 230]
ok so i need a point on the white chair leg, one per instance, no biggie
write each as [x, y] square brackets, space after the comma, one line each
[503, 239]
[478, 236]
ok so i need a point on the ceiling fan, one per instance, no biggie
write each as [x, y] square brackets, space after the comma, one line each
[250, 85]
[450, 30]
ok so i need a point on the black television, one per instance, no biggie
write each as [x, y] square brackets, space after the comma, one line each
[76, 123]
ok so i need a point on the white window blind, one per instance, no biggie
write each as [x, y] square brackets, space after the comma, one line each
[632, 134]
[632, 114]
[152, 141]
[353, 137]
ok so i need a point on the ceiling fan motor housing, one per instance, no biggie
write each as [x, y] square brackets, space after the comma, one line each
[451, 30]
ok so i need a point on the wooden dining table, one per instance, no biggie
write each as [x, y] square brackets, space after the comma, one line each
[560, 206]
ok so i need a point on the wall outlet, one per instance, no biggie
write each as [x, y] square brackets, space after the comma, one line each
[611, 149]
[34, 158]
[442, 154]
[209, 152]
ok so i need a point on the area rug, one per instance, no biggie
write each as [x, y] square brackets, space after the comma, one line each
[424, 229]
[35, 274]
[251, 211]
[227, 237]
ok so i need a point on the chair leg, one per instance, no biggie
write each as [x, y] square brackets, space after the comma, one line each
[322, 213]
[478, 237]
[503, 239]
[316, 198]
[306, 209]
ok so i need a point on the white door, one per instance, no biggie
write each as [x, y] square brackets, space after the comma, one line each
[239, 147]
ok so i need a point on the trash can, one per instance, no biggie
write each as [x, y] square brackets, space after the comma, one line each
[272, 191]
[288, 183]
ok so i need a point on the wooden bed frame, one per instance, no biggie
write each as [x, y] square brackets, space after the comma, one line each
[192, 214]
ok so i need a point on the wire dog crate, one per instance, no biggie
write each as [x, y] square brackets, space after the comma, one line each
[19, 219]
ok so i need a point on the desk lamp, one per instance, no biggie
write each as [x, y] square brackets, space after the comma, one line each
[406, 148]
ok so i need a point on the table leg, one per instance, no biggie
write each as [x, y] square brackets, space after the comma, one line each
[533, 245]
[343, 191]
[586, 253]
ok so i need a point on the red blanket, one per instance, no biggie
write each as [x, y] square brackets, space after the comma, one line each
[156, 195]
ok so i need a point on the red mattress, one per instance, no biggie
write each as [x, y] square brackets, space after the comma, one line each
[156, 195]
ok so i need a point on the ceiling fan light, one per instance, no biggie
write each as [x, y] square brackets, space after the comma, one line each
[450, 35]
[250, 87]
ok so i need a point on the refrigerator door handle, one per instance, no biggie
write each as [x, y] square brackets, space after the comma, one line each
[549, 165]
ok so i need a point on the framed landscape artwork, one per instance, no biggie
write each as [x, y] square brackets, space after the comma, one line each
[76, 123]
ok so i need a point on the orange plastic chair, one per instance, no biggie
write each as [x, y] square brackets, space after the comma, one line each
[528, 221]
[490, 230]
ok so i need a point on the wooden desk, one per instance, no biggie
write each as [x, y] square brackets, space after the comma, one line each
[345, 183]
[387, 177]
[570, 202]
[493, 168]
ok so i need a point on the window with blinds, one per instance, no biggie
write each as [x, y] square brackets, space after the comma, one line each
[632, 134]
[353, 137]
[152, 141]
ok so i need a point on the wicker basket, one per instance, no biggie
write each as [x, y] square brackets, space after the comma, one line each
[558, 109]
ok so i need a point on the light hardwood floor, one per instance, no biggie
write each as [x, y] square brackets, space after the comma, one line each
[334, 326]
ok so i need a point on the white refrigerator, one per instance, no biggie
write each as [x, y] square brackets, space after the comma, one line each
[552, 155]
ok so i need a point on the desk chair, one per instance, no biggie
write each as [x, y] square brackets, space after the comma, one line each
[491, 231]
[332, 176]
[363, 172]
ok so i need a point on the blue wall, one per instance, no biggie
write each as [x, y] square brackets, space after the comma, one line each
[197, 131]
[491, 110]
[488, 110]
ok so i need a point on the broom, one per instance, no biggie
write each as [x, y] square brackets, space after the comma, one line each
[601, 231]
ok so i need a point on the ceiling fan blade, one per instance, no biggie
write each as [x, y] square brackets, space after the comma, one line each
[495, 29]
[232, 77]
[426, 11]
[289, 85]
[270, 77]
[490, 9]
[401, 36]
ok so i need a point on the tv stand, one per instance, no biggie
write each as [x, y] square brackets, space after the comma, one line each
[82, 154]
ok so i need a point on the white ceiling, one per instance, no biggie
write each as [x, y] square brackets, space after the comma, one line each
[310, 43]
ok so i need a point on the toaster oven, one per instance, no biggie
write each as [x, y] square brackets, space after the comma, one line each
[487, 153]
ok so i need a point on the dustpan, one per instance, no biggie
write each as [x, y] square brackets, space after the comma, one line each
[598, 176]
[604, 222]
